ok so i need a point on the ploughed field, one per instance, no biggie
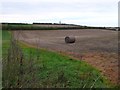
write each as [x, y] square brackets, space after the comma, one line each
[97, 47]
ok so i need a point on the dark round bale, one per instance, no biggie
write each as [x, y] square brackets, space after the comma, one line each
[70, 39]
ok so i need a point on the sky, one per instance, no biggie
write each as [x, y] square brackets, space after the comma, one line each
[81, 12]
[119, 14]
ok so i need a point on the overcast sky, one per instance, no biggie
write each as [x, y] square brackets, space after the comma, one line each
[82, 12]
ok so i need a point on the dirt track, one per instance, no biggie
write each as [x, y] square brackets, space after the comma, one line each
[97, 47]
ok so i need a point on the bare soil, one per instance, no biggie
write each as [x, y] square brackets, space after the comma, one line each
[95, 46]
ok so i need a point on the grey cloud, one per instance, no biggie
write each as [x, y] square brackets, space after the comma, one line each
[29, 8]
[105, 9]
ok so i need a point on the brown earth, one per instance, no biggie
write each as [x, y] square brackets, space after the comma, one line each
[97, 47]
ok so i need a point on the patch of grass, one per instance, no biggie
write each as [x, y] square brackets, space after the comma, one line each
[0, 42]
[0, 59]
[47, 69]
[6, 35]
[5, 41]
[76, 73]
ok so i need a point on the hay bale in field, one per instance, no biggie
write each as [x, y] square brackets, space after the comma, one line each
[70, 39]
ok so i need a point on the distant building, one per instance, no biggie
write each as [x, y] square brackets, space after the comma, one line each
[113, 28]
[59, 22]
